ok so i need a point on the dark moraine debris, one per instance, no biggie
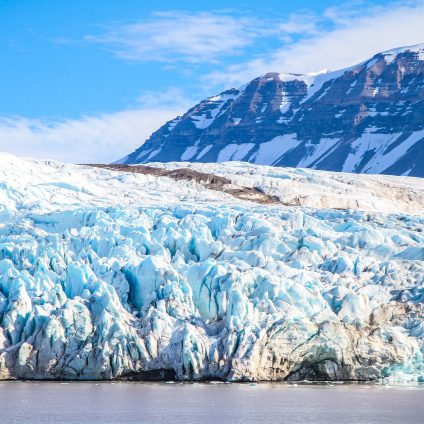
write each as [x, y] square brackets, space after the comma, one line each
[150, 375]
[209, 181]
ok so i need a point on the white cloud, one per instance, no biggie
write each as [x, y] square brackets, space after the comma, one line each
[103, 138]
[335, 39]
[172, 98]
[339, 38]
[176, 36]
[305, 24]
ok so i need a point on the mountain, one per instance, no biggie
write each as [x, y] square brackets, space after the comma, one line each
[189, 271]
[368, 118]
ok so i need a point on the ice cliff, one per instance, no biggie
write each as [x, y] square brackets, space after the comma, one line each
[106, 274]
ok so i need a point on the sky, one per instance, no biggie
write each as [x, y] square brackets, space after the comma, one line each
[87, 81]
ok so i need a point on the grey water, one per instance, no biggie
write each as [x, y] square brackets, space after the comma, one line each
[45, 402]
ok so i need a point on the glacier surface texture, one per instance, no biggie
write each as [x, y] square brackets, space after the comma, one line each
[207, 287]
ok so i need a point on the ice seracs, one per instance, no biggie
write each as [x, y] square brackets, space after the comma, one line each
[106, 274]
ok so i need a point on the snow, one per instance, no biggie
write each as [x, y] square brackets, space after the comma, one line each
[204, 151]
[321, 189]
[146, 154]
[215, 105]
[153, 153]
[234, 151]
[372, 140]
[351, 87]
[392, 156]
[390, 55]
[389, 58]
[319, 85]
[172, 124]
[417, 48]
[372, 62]
[270, 151]
[285, 102]
[314, 82]
[48, 186]
[189, 153]
[204, 120]
[318, 151]
[105, 273]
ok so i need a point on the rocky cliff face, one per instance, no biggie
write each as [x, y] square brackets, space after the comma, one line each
[365, 119]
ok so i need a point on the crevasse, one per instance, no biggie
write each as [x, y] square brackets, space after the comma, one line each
[217, 292]
[96, 289]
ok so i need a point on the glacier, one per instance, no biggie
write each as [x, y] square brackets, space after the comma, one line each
[107, 274]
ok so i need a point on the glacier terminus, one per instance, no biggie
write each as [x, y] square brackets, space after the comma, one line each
[107, 274]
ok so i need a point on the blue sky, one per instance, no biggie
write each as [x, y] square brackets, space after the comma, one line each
[90, 80]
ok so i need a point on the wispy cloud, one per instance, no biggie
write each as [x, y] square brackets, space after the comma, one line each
[338, 38]
[99, 138]
[307, 42]
[176, 36]
[173, 98]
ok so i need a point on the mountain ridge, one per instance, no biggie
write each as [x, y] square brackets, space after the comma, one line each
[367, 118]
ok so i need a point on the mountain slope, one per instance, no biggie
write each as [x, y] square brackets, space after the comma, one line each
[365, 119]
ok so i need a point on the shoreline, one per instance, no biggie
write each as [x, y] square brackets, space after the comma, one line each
[303, 383]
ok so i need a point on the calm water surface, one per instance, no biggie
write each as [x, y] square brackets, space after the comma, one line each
[123, 403]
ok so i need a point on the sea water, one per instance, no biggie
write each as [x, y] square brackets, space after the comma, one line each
[217, 403]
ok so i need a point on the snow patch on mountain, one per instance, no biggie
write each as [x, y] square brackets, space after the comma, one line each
[270, 151]
[343, 120]
[380, 145]
[215, 105]
[235, 151]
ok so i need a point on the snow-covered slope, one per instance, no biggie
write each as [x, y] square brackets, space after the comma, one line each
[320, 189]
[107, 274]
[368, 118]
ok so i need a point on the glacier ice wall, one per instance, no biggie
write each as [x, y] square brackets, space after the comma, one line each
[236, 293]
